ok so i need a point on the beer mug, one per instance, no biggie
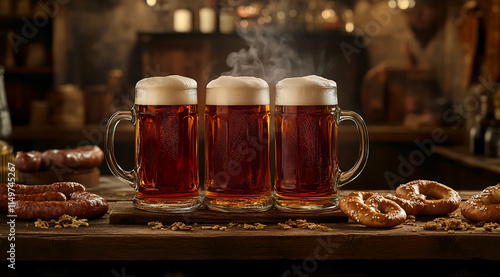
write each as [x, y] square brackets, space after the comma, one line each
[307, 172]
[165, 116]
[237, 171]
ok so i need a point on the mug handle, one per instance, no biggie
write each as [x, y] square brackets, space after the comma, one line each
[129, 177]
[351, 174]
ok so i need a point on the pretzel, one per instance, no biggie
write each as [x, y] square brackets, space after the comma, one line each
[411, 206]
[446, 200]
[372, 210]
[484, 206]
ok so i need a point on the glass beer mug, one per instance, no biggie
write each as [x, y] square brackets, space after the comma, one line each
[165, 115]
[307, 172]
[237, 121]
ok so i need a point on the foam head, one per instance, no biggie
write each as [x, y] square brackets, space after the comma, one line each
[169, 90]
[309, 90]
[230, 91]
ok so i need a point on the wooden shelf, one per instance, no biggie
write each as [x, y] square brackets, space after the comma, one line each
[401, 134]
[125, 132]
[301, 34]
[18, 18]
[461, 155]
[46, 70]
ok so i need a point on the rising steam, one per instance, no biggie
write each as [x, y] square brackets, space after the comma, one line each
[273, 56]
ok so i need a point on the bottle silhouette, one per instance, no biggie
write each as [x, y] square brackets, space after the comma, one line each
[5, 122]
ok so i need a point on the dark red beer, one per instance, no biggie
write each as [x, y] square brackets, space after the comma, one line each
[306, 152]
[237, 156]
[165, 116]
[307, 172]
[166, 152]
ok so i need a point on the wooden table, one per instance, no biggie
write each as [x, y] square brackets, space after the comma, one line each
[102, 241]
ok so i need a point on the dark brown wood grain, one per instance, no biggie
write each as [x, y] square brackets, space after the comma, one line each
[103, 241]
[345, 241]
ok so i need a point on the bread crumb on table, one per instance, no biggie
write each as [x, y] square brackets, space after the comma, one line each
[176, 226]
[64, 221]
[410, 220]
[490, 226]
[302, 223]
[255, 226]
[284, 226]
[214, 227]
[447, 224]
[181, 226]
[156, 225]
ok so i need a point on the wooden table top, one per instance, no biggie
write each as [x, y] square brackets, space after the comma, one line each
[348, 240]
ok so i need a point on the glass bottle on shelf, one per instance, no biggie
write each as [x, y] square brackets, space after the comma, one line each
[5, 122]
[208, 18]
[6, 155]
[227, 20]
[481, 123]
[311, 15]
[5, 8]
[183, 19]
[492, 134]
[23, 8]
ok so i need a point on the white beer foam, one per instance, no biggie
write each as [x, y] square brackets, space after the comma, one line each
[168, 90]
[231, 91]
[309, 90]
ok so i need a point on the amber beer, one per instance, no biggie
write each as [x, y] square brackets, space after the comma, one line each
[307, 172]
[165, 115]
[237, 171]
[306, 152]
[166, 157]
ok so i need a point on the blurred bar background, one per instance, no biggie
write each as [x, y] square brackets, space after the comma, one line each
[424, 74]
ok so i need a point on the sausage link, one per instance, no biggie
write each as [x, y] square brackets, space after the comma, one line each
[83, 157]
[46, 196]
[67, 188]
[82, 205]
[29, 161]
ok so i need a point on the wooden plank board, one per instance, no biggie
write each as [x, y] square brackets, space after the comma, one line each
[350, 240]
[261, 246]
[346, 240]
[125, 213]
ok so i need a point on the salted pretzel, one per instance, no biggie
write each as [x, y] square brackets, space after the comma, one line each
[411, 206]
[372, 210]
[484, 206]
[444, 199]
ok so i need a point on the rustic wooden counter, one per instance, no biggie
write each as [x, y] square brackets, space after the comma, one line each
[349, 240]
